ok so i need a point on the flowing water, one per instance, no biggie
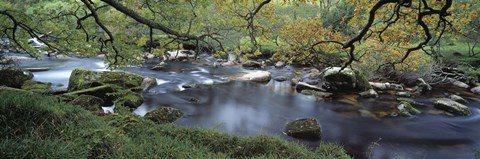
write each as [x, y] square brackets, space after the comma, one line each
[247, 108]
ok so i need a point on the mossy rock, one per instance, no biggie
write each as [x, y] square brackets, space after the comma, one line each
[452, 107]
[36, 86]
[82, 79]
[407, 109]
[129, 98]
[362, 83]
[12, 77]
[88, 102]
[4, 89]
[304, 129]
[104, 92]
[346, 80]
[164, 115]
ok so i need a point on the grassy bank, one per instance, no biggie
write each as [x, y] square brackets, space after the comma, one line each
[37, 126]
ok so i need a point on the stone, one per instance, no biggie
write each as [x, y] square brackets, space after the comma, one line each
[304, 129]
[404, 94]
[164, 115]
[457, 98]
[371, 93]
[345, 80]
[451, 106]
[257, 76]
[179, 55]
[252, 64]
[280, 78]
[82, 79]
[160, 66]
[103, 92]
[407, 109]
[386, 86]
[148, 83]
[129, 99]
[36, 86]
[411, 102]
[460, 84]
[476, 90]
[423, 86]
[305, 86]
[280, 64]
[88, 102]
[228, 63]
[317, 94]
[12, 77]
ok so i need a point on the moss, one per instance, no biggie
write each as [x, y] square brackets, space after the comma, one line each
[407, 109]
[53, 129]
[88, 102]
[362, 82]
[36, 86]
[104, 92]
[304, 129]
[128, 98]
[14, 77]
[123, 79]
[164, 115]
[83, 79]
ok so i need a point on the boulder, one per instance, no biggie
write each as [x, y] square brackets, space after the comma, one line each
[164, 115]
[304, 129]
[345, 80]
[103, 92]
[11, 77]
[280, 64]
[88, 102]
[411, 102]
[476, 90]
[257, 76]
[129, 99]
[371, 93]
[280, 78]
[305, 86]
[423, 86]
[386, 86]
[404, 94]
[407, 109]
[457, 98]
[148, 83]
[36, 86]
[83, 79]
[179, 55]
[451, 106]
[252, 64]
[460, 84]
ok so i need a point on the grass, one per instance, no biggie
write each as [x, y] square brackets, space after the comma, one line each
[38, 126]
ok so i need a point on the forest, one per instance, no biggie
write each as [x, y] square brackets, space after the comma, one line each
[199, 78]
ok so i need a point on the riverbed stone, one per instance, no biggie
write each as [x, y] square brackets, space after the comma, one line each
[345, 80]
[460, 84]
[403, 94]
[318, 94]
[13, 77]
[160, 66]
[305, 86]
[371, 93]
[257, 76]
[457, 98]
[423, 86]
[386, 86]
[147, 83]
[280, 64]
[88, 102]
[129, 99]
[251, 64]
[164, 115]
[476, 90]
[36, 86]
[451, 106]
[304, 129]
[280, 78]
[407, 109]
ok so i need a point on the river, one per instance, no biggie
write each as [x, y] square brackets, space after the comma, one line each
[247, 108]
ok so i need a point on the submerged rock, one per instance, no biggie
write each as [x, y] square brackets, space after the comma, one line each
[304, 129]
[36, 86]
[280, 78]
[88, 102]
[451, 106]
[257, 76]
[12, 77]
[371, 93]
[345, 80]
[164, 115]
[279, 64]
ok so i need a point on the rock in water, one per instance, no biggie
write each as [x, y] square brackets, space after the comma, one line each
[280, 64]
[252, 64]
[369, 94]
[148, 83]
[451, 106]
[164, 115]
[83, 79]
[423, 86]
[258, 76]
[304, 129]
[461, 84]
[280, 78]
[345, 80]
[457, 98]
[407, 109]
[476, 90]
[14, 77]
[88, 102]
[305, 86]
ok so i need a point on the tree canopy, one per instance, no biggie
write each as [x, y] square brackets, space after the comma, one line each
[300, 31]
